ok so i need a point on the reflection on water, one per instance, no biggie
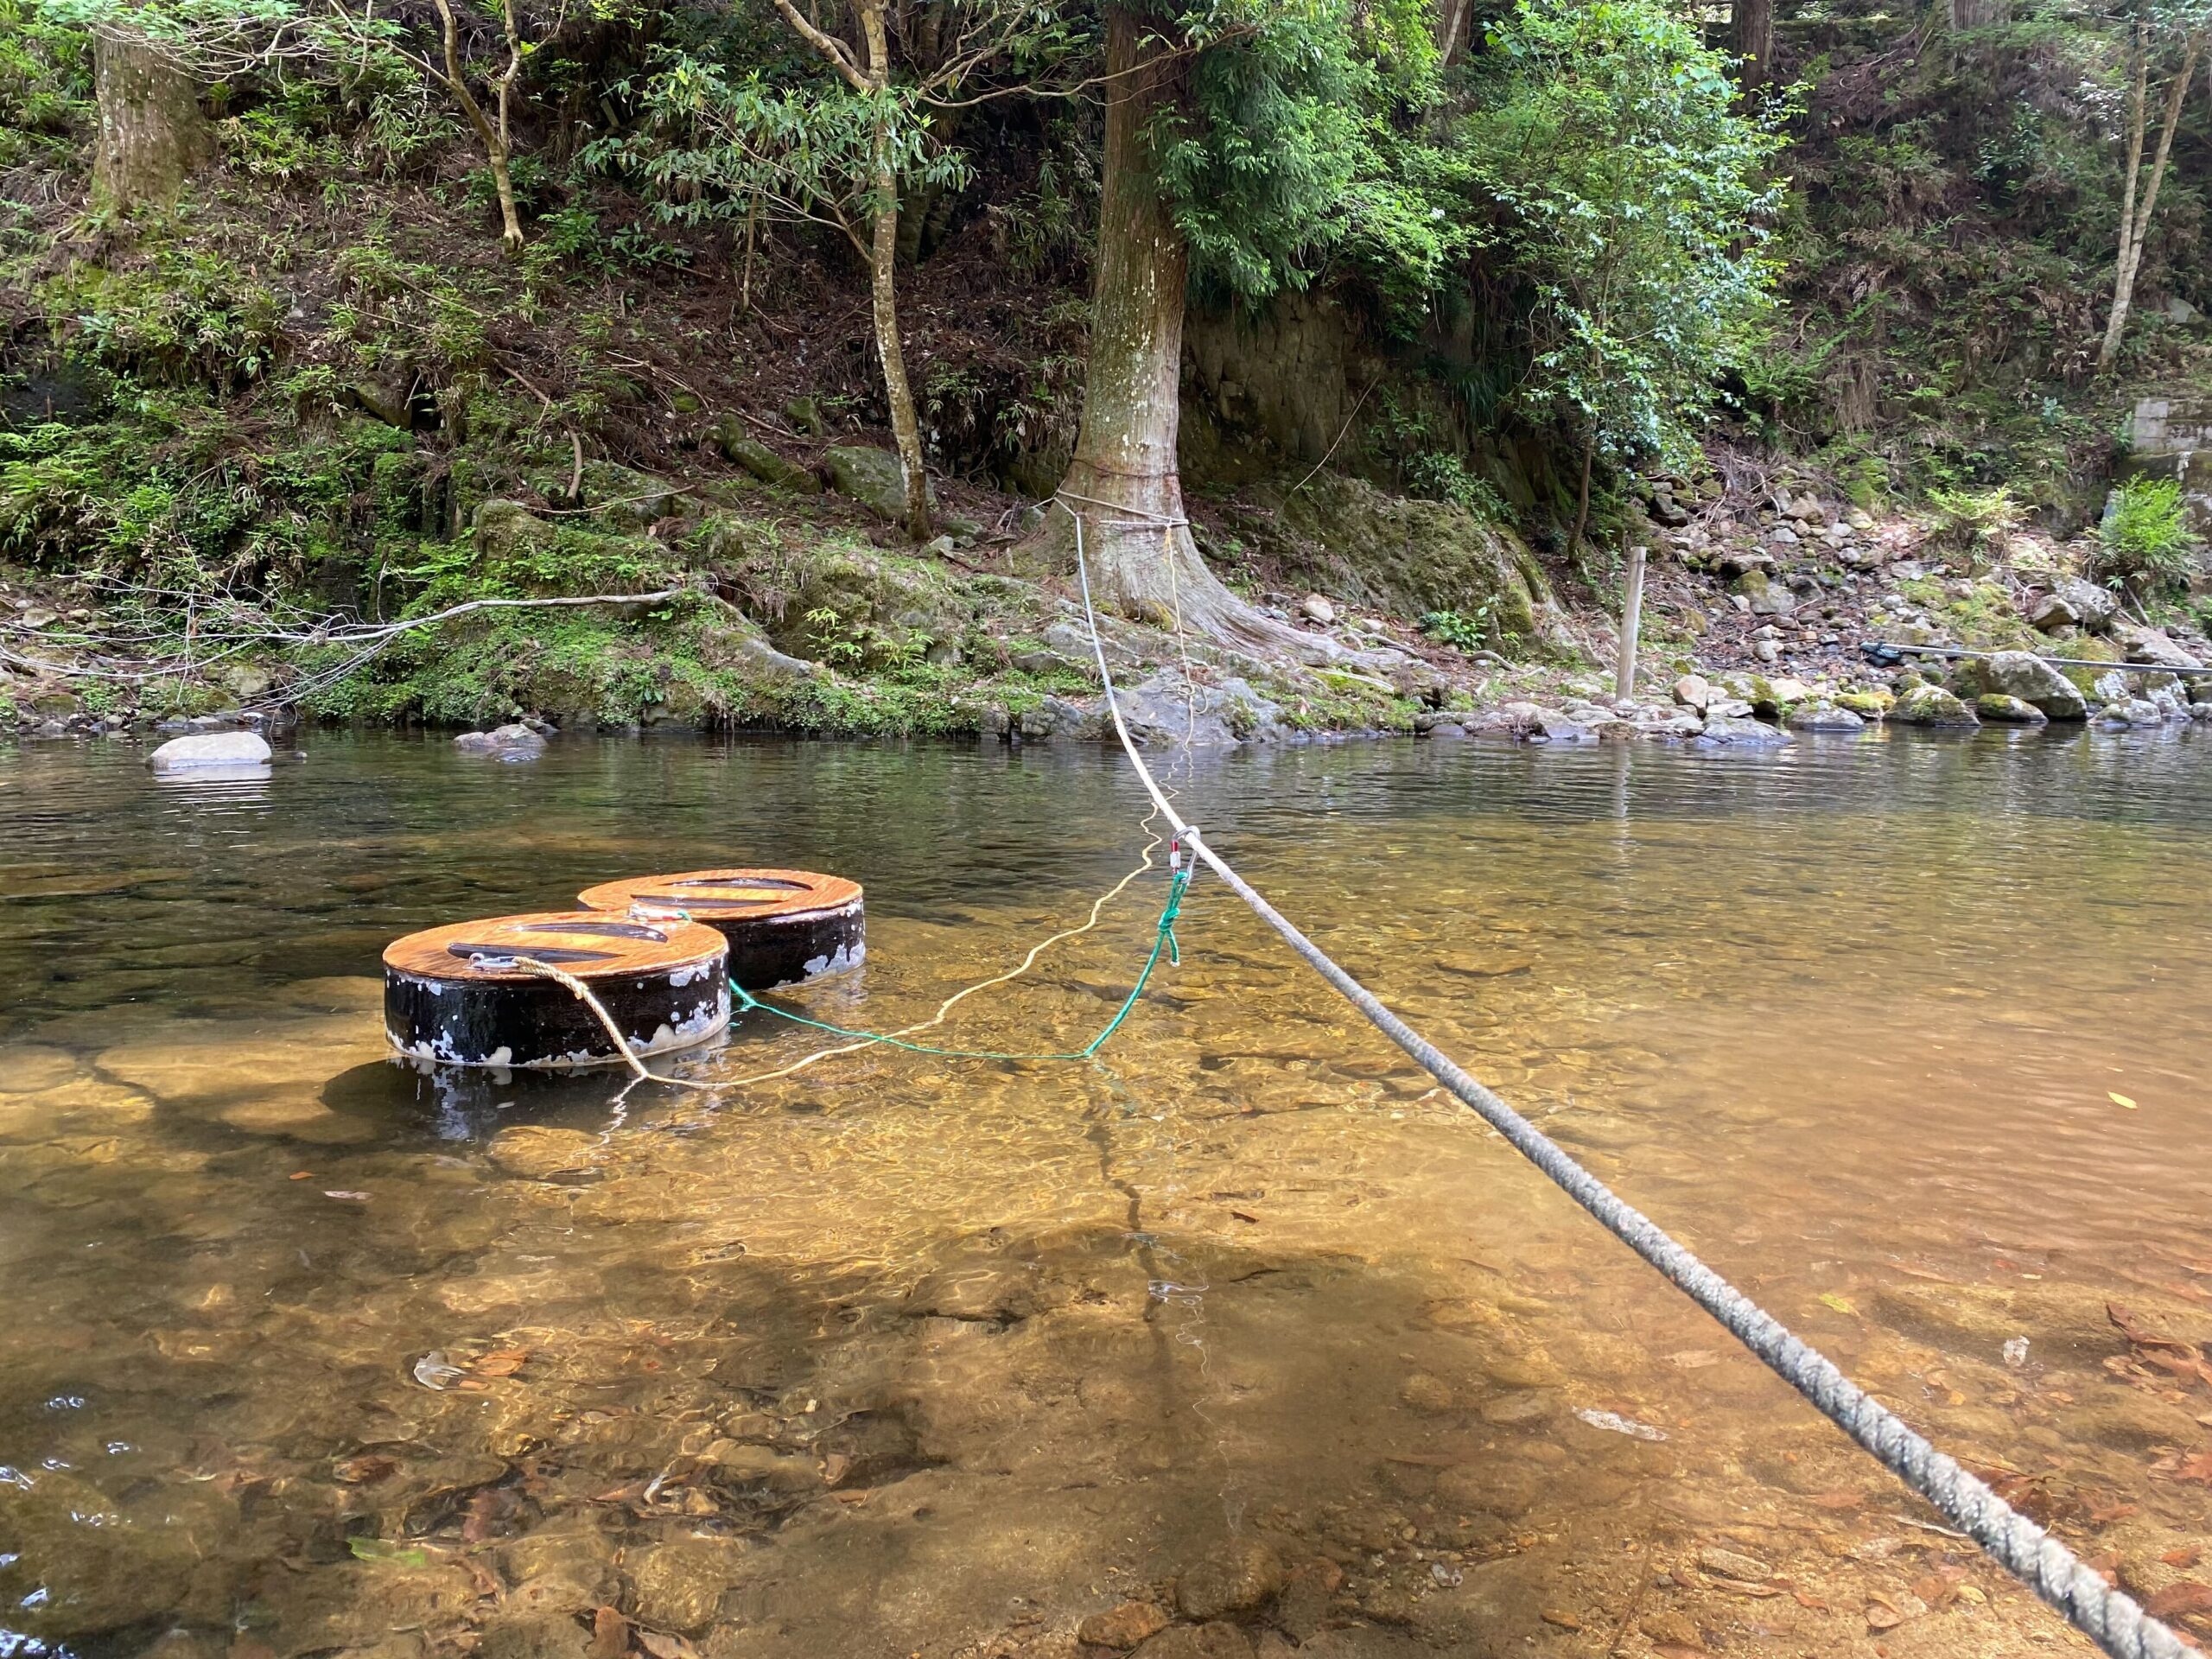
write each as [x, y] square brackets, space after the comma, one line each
[309, 1352]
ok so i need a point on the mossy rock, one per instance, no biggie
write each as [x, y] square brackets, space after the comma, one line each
[506, 530]
[852, 604]
[874, 478]
[623, 499]
[2008, 711]
[1344, 537]
[1873, 703]
[730, 436]
[1931, 705]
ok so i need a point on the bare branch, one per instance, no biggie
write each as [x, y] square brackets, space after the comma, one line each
[828, 46]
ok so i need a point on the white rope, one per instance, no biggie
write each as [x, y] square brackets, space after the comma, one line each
[2110, 1618]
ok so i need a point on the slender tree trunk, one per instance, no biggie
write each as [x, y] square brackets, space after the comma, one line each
[1582, 495]
[2135, 223]
[1751, 24]
[1123, 482]
[883, 282]
[883, 262]
[152, 136]
[492, 136]
[872, 80]
[1452, 29]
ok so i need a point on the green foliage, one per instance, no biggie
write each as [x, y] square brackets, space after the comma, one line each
[186, 315]
[1634, 200]
[1975, 522]
[46, 84]
[1458, 629]
[1301, 137]
[1444, 477]
[2145, 542]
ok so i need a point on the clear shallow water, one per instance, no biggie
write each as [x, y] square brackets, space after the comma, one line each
[900, 1355]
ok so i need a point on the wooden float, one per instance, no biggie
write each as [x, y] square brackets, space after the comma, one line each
[458, 996]
[783, 925]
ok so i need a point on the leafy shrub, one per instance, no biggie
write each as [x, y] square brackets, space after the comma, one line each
[1974, 522]
[2145, 542]
[1459, 630]
[1444, 477]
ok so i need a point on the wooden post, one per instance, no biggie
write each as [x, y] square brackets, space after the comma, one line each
[1631, 623]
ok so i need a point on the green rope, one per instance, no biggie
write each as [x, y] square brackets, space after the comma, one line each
[1163, 939]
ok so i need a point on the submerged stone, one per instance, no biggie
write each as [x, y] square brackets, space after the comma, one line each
[1123, 1627]
[2009, 711]
[1236, 1578]
[209, 752]
[514, 742]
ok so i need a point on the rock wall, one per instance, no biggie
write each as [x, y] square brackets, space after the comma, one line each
[2172, 437]
[1283, 375]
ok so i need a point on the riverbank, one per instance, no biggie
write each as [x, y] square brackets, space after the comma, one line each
[790, 607]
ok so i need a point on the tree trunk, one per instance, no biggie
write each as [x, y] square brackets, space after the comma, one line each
[2135, 223]
[1123, 482]
[883, 284]
[494, 138]
[152, 136]
[883, 262]
[1582, 497]
[1977, 14]
[1752, 25]
[1452, 29]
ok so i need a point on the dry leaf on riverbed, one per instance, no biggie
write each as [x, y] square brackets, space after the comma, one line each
[610, 1634]
[2184, 1599]
[365, 1469]
[2183, 1359]
[666, 1646]
[2196, 1467]
[2187, 1555]
[2120, 1100]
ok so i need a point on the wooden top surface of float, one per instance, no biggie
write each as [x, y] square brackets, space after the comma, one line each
[589, 943]
[725, 895]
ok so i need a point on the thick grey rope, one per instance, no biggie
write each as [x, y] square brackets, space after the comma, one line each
[2111, 1618]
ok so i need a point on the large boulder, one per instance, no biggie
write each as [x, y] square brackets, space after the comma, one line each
[1767, 596]
[2144, 645]
[2025, 675]
[1931, 705]
[1170, 711]
[873, 477]
[211, 752]
[2075, 604]
[1369, 550]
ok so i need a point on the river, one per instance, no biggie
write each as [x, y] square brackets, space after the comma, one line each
[308, 1352]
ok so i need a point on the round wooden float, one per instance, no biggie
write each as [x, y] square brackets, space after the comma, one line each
[783, 925]
[457, 995]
